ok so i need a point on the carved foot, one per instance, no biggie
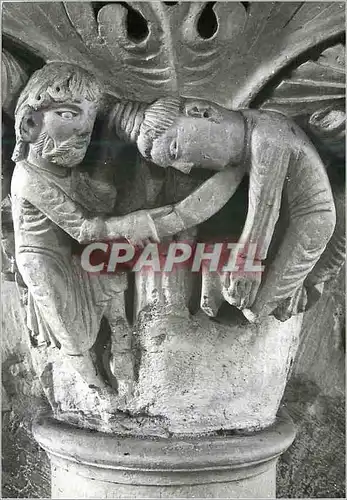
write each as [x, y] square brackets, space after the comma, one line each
[292, 305]
[302, 300]
[121, 365]
[84, 365]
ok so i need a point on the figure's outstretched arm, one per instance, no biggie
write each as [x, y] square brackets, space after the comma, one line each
[202, 204]
[69, 216]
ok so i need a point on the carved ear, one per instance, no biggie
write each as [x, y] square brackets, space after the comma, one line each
[201, 109]
[198, 109]
[30, 126]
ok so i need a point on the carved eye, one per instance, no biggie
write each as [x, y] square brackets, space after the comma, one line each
[67, 115]
[173, 150]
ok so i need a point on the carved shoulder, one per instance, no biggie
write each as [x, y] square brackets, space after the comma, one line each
[275, 127]
[274, 137]
[22, 184]
[37, 190]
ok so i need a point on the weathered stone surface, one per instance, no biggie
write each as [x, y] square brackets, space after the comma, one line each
[312, 468]
[233, 384]
[238, 466]
[56, 203]
[239, 388]
[156, 123]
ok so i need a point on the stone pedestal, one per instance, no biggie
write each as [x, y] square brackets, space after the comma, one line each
[87, 464]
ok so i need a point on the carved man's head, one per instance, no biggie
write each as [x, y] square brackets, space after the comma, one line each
[186, 133]
[55, 114]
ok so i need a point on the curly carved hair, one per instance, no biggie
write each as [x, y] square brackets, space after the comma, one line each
[56, 82]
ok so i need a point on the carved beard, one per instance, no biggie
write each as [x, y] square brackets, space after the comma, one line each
[68, 153]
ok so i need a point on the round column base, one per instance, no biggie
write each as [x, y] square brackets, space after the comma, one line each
[95, 465]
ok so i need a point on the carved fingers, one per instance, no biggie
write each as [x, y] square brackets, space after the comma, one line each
[303, 298]
[240, 291]
[160, 211]
[138, 228]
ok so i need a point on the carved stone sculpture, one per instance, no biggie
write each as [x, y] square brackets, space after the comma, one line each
[152, 125]
[55, 116]
[277, 156]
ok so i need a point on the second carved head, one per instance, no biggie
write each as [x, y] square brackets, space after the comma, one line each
[182, 133]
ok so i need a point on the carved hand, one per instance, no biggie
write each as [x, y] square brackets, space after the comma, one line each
[240, 291]
[138, 228]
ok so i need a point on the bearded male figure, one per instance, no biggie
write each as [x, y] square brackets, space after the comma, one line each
[278, 157]
[55, 202]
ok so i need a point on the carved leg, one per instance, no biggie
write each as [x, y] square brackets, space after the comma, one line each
[312, 215]
[334, 255]
[162, 293]
[8, 265]
[84, 365]
[211, 292]
[122, 360]
[63, 297]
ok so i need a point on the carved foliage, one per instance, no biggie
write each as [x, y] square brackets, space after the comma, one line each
[13, 78]
[144, 50]
[314, 85]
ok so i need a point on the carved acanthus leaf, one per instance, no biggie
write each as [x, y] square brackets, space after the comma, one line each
[314, 95]
[145, 50]
[314, 85]
[13, 78]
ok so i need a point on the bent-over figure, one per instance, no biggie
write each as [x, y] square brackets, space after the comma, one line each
[278, 157]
